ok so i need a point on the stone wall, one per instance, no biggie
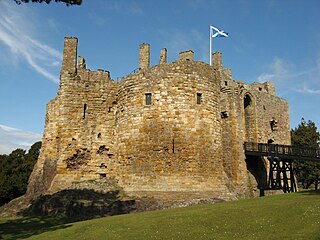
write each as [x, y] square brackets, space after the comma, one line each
[173, 144]
[175, 130]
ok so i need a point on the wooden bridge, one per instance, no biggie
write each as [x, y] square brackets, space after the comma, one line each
[281, 157]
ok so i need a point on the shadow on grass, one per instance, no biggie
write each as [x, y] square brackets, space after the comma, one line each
[79, 204]
[29, 226]
[56, 211]
[310, 192]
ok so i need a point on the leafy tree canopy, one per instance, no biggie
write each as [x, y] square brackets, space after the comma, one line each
[15, 170]
[306, 134]
[67, 2]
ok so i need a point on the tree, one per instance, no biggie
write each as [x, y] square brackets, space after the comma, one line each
[15, 170]
[306, 135]
[67, 2]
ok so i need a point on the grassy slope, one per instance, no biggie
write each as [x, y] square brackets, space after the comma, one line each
[288, 216]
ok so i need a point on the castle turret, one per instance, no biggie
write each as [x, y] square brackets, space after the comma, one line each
[144, 55]
[217, 60]
[69, 62]
[163, 56]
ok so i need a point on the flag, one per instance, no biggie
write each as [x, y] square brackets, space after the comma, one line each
[218, 33]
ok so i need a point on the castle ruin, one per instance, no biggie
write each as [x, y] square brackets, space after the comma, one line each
[173, 129]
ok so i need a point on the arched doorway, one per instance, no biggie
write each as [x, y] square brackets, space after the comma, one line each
[249, 119]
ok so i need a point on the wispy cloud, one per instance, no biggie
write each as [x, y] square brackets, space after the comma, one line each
[278, 70]
[308, 91]
[17, 36]
[13, 138]
[287, 78]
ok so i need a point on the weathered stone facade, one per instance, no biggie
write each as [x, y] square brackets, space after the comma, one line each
[174, 130]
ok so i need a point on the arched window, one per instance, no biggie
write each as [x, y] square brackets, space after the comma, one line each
[249, 118]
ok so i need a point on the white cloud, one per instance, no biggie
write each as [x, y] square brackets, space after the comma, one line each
[308, 91]
[13, 138]
[287, 78]
[278, 71]
[16, 34]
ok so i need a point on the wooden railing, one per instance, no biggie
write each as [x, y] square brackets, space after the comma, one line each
[298, 153]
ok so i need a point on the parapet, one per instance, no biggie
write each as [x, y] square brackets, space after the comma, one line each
[186, 55]
[69, 62]
[163, 56]
[144, 55]
[263, 87]
[217, 60]
[81, 63]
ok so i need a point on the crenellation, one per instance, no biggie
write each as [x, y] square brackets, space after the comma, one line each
[81, 63]
[173, 129]
[217, 60]
[69, 62]
[186, 55]
[144, 56]
[163, 56]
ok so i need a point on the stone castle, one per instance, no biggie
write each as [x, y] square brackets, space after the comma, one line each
[176, 129]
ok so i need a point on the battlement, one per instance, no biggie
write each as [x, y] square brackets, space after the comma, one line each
[69, 62]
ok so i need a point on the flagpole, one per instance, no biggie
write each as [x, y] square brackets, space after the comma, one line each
[210, 55]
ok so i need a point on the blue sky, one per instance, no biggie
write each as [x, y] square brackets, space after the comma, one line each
[268, 40]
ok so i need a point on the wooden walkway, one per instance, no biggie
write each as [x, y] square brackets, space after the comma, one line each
[281, 157]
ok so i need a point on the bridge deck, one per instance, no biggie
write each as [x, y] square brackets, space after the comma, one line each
[282, 151]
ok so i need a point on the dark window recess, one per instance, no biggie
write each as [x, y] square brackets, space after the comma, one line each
[273, 124]
[103, 165]
[260, 89]
[270, 141]
[148, 98]
[199, 98]
[247, 101]
[109, 110]
[103, 175]
[225, 83]
[84, 110]
[99, 135]
[224, 114]
[173, 145]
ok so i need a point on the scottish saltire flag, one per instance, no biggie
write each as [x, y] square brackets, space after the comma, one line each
[218, 33]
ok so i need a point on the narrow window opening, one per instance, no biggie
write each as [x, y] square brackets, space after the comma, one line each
[224, 114]
[103, 165]
[148, 98]
[225, 83]
[173, 145]
[109, 110]
[84, 110]
[273, 124]
[260, 89]
[199, 98]
[270, 141]
[103, 175]
[247, 101]
[99, 135]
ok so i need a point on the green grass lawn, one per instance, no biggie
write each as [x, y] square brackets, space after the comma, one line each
[287, 216]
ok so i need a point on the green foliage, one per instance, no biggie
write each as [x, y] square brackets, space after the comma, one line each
[15, 170]
[67, 2]
[306, 135]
